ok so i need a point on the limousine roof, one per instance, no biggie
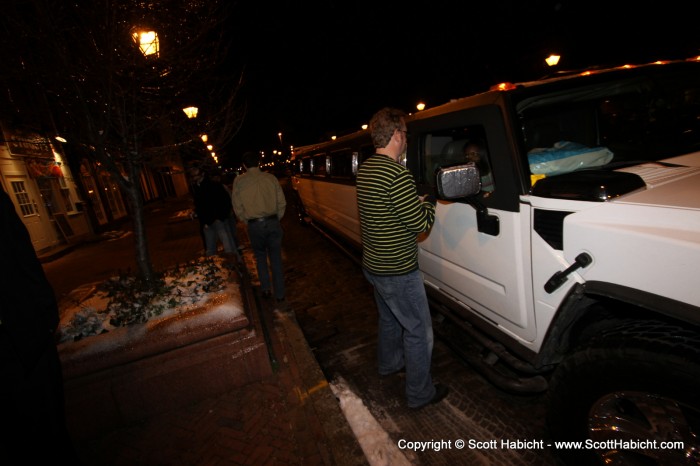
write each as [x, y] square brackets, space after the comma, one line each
[564, 79]
[338, 143]
[559, 80]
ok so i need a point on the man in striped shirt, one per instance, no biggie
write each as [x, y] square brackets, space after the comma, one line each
[391, 217]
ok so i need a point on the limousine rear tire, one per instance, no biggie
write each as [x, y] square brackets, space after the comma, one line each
[625, 388]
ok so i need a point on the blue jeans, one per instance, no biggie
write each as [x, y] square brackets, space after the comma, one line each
[217, 231]
[266, 242]
[405, 332]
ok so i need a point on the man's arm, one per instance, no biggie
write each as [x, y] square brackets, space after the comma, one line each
[236, 200]
[281, 201]
[417, 215]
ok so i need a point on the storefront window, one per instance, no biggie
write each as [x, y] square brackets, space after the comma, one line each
[26, 204]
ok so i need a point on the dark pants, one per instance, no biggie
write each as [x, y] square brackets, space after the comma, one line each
[266, 242]
[405, 332]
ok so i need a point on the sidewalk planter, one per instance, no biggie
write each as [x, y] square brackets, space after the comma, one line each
[134, 372]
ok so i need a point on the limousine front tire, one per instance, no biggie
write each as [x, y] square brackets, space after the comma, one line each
[628, 387]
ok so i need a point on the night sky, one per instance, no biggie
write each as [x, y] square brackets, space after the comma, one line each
[322, 67]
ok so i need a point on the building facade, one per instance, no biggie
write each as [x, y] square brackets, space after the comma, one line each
[34, 172]
[64, 196]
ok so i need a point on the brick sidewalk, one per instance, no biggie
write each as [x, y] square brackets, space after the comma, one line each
[288, 417]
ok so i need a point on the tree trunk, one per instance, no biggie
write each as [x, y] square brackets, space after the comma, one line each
[143, 258]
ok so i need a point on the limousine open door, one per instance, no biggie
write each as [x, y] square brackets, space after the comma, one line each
[474, 261]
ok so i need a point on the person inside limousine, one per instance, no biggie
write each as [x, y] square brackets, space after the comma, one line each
[475, 152]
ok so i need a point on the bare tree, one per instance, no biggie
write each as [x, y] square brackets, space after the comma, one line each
[124, 105]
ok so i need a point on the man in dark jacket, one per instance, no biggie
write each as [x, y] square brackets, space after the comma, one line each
[31, 383]
[212, 204]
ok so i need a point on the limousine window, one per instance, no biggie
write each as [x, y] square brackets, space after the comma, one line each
[643, 118]
[319, 166]
[344, 163]
[298, 166]
[341, 163]
[452, 146]
[306, 165]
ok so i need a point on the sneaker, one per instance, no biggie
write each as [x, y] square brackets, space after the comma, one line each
[441, 392]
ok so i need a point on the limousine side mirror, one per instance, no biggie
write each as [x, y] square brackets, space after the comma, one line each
[458, 181]
[463, 181]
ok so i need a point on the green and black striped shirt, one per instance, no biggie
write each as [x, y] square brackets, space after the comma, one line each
[391, 216]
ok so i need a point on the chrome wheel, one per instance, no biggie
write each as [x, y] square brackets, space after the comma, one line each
[637, 428]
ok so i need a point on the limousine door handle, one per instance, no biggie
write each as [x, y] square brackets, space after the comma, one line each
[559, 278]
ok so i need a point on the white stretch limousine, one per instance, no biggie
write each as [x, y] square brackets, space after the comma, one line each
[569, 249]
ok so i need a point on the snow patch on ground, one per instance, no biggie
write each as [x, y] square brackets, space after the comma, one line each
[378, 447]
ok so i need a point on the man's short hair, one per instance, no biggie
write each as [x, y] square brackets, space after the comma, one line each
[384, 123]
[251, 159]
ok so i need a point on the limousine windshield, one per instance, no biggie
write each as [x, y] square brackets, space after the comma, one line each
[647, 117]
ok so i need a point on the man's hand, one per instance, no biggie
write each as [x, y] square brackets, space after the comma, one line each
[428, 198]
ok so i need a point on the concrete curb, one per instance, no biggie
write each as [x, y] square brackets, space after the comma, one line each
[316, 392]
